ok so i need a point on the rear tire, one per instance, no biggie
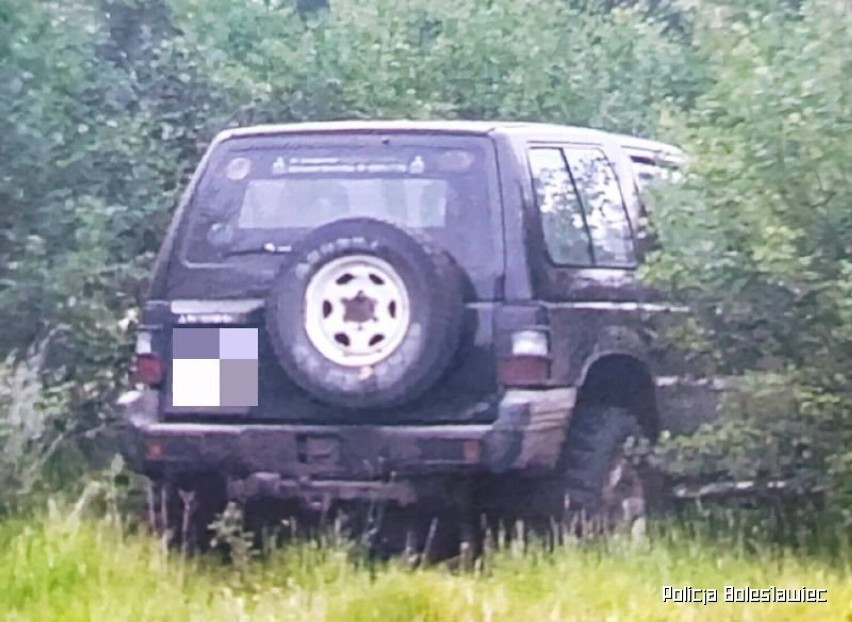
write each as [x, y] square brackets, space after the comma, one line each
[603, 486]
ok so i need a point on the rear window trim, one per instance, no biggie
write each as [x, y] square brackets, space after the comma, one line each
[291, 141]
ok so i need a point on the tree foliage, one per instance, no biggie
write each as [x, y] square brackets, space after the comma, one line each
[758, 239]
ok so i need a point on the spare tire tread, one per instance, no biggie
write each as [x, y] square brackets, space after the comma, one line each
[435, 281]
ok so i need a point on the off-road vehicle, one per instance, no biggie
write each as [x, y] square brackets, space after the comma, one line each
[438, 318]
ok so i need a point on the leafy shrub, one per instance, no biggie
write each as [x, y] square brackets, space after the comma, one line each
[767, 198]
[31, 423]
[535, 60]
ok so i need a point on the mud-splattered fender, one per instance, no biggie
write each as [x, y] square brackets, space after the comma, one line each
[530, 430]
[138, 409]
[615, 341]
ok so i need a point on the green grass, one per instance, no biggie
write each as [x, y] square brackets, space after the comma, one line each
[64, 568]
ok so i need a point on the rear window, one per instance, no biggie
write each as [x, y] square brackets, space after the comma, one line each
[257, 194]
[413, 202]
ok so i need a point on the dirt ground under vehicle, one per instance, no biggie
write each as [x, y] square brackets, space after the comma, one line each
[429, 319]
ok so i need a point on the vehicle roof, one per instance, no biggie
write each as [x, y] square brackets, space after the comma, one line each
[464, 127]
[632, 145]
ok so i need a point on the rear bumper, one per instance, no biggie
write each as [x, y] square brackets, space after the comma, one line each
[357, 461]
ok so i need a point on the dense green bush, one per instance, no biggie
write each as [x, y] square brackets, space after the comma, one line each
[32, 426]
[758, 239]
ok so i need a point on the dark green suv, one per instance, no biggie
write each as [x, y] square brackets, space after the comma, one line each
[438, 317]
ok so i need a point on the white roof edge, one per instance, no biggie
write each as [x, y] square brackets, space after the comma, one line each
[461, 126]
[634, 143]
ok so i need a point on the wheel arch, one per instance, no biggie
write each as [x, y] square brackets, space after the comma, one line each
[623, 379]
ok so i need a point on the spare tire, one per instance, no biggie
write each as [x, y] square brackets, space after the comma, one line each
[365, 315]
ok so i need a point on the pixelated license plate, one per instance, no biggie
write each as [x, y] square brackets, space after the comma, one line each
[214, 367]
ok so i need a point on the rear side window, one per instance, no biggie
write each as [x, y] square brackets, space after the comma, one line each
[562, 217]
[582, 210]
[417, 203]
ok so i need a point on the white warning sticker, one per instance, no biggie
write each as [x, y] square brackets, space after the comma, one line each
[238, 169]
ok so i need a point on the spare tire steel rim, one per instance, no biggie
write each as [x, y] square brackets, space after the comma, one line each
[357, 310]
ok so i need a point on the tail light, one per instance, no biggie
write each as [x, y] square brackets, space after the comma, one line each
[149, 364]
[529, 363]
[149, 369]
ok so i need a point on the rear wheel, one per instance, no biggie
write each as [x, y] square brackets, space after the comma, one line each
[604, 487]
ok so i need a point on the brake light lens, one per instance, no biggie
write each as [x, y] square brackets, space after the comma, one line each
[149, 369]
[524, 371]
[529, 364]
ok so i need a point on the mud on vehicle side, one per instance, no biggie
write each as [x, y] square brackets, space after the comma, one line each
[440, 317]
